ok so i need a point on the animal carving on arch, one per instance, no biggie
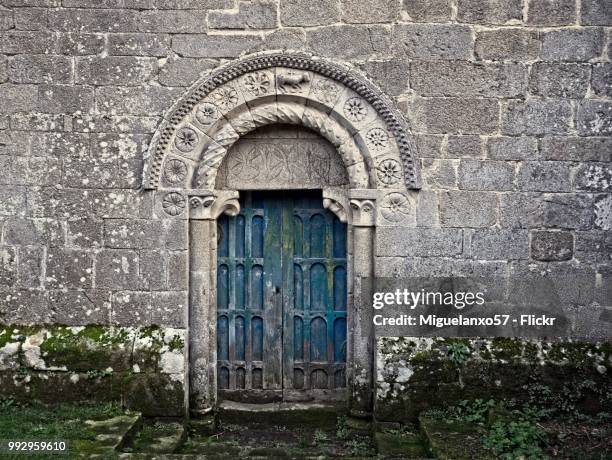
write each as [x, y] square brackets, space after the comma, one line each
[275, 88]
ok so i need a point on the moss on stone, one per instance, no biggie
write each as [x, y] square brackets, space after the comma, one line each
[88, 348]
[507, 349]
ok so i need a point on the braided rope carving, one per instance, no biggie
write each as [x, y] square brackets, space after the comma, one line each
[344, 75]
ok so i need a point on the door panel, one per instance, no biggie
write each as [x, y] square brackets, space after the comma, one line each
[281, 299]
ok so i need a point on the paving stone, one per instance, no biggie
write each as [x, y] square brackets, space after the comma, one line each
[534, 117]
[559, 80]
[486, 175]
[551, 12]
[572, 44]
[489, 11]
[429, 42]
[309, 12]
[594, 118]
[468, 209]
[511, 44]
[459, 78]
[550, 246]
[369, 11]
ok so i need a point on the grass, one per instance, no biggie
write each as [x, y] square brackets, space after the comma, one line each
[56, 423]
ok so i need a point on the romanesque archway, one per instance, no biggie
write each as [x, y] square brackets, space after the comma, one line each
[273, 88]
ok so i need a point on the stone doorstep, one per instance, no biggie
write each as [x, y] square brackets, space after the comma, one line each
[453, 440]
[167, 438]
[111, 434]
[280, 413]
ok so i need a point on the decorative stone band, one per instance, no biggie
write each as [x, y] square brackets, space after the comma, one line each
[356, 207]
[282, 87]
[203, 206]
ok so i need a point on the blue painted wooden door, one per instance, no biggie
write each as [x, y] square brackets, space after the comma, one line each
[281, 299]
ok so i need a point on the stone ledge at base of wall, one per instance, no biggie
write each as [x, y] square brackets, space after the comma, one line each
[141, 368]
[416, 374]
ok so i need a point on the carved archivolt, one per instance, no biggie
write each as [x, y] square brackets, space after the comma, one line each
[289, 88]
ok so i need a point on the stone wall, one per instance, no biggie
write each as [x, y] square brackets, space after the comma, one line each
[509, 102]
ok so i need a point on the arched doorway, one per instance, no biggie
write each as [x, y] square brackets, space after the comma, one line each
[186, 161]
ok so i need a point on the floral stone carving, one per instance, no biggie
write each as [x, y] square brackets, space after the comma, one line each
[325, 91]
[258, 83]
[186, 140]
[207, 113]
[174, 203]
[389, 172]
[293, 72]
[355, 109]
[175, 171]
[226, 98]
[394, 207]
[377, 139]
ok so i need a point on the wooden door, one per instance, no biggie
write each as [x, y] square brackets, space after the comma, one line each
[281, 300]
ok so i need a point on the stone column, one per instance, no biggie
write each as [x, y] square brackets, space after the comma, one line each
[363, 220]
[205, 208]
[357, 208]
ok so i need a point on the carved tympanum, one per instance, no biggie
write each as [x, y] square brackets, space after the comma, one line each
[281, 163]
[278, 87]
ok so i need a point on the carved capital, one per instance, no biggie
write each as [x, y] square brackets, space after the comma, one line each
[363, 212]
[363, 207]
[337, 201]
[210, 207]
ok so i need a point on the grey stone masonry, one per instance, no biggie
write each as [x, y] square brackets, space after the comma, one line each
[508, 110]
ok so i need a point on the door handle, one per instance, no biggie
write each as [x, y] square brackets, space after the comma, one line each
[276, 290]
